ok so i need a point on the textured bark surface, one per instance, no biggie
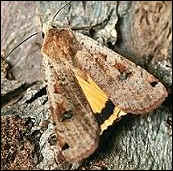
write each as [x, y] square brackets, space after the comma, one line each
[18, 21]
[145, 36]
[134, 142]
[17, 144]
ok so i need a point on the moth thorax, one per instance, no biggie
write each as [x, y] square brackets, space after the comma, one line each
[60, 43]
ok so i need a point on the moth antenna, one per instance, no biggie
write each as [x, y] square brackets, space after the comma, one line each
[59, 11]
[20, 44]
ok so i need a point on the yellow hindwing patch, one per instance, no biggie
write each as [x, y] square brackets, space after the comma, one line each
[97, 99]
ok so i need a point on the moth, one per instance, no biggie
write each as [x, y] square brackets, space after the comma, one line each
[85, 78]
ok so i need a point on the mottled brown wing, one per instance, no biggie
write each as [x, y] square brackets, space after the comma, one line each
[76, 128]
[129, 86]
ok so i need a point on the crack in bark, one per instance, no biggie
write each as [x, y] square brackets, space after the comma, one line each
[15, 94]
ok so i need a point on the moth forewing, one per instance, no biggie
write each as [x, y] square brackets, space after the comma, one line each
[129, 86]
[76, 128]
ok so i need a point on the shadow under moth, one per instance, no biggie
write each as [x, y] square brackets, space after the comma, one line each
[83, 79]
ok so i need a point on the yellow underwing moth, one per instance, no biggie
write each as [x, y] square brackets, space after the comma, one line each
[84, 78]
